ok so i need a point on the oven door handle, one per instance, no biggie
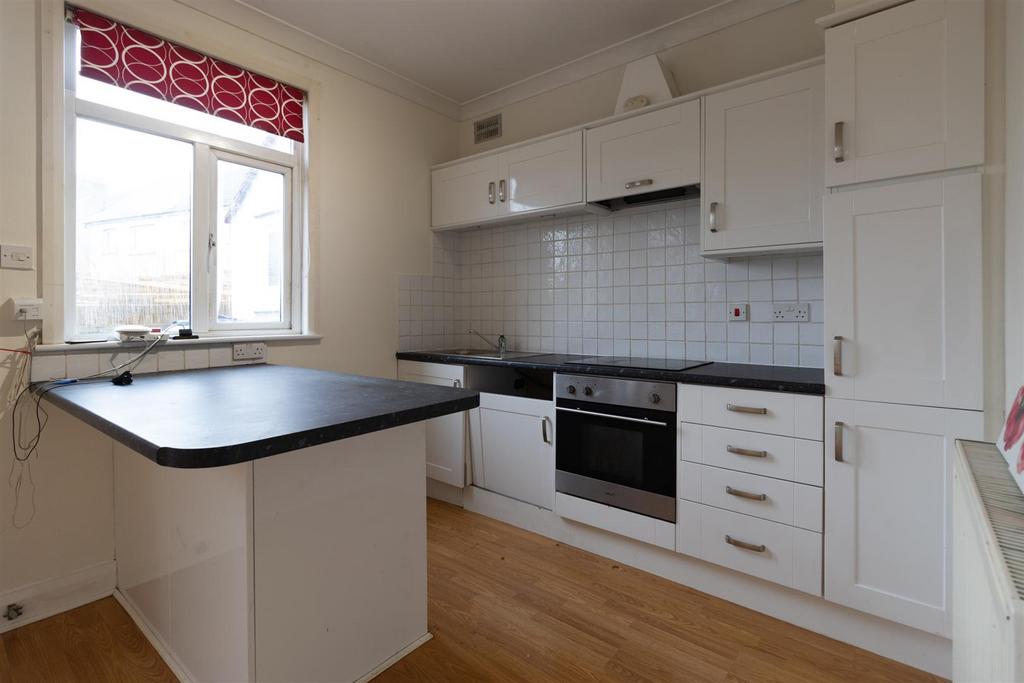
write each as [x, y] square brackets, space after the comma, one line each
[641, 420]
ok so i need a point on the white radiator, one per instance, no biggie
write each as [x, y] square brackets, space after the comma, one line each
[988, 568]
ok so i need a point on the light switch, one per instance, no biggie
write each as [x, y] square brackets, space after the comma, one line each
[738, 311]
[16, 257]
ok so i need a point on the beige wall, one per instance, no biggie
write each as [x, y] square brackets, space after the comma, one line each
[760, 44]
[370, 152]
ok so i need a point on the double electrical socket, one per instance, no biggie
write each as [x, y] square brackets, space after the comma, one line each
[799, 313]
[249, 351]
[28, 309]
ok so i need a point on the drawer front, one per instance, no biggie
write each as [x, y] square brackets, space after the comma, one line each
[756, 411]
[750, 494]
[771, 551]
[765, 454]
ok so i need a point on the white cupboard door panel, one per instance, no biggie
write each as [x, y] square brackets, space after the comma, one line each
[463, 192]
[763, 168]
[659, 150]
[543, 175]
[903, 282]
[517, 448]
[446, 435]
[888, 477]
[907, 86]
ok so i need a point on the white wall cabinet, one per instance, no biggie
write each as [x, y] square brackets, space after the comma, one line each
[513, 443]
[763, 167]
[541, 175]
[446, 435]
[904, 291]
[659, 150]
[888, 481]
[905, 91]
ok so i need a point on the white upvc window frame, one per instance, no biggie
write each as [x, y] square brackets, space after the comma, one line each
[208, 148]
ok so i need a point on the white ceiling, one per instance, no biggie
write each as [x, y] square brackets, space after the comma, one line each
[465, 49]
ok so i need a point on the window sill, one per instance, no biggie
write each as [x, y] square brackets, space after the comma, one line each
[65, 347]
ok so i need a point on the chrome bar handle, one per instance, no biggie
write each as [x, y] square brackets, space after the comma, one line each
[733, 408]
[639, 183]
[457, 383]
[743, 544]
[501, 190]
[641, 420]
[746, 451]
[838, 427]
[713, 216]
[544, 422]
[837, 356]
[490, 192]
[838, 148]
[746, 494]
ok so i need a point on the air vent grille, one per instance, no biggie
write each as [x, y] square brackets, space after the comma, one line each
[487, 129]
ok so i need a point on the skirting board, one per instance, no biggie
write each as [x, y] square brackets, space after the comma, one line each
[394, 658]
[47, 598]
[446, 493]
[904, 644]
[176, 667]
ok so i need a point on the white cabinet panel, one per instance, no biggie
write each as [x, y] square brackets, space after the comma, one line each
[659, 150]
[888, 476]
[763, 167]
[517, 452]
[446, 435]
[907, 88]
[542, 175]
[465, 192]
[903, 282]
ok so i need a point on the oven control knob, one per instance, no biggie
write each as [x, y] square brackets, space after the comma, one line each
[571, 389]
[655, 398]
[588, 391]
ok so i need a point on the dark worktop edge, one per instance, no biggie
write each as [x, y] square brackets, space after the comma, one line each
[715, 374]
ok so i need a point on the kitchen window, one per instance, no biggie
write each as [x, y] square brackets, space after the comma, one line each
[176, 216]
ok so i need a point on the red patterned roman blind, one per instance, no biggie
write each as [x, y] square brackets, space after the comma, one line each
[143, 63]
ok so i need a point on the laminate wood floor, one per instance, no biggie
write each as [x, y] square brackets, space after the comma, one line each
[509, 605]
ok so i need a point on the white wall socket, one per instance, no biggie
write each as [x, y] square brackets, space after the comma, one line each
[249, 351]
[798, 313]
[28, 309]
[16, 257]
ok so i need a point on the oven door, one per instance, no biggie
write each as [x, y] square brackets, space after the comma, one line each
[622, 457]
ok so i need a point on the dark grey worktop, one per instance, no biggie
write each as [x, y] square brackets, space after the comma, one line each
[223, 416]
[737, 375]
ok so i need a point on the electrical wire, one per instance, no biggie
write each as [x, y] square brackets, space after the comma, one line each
[21, 465]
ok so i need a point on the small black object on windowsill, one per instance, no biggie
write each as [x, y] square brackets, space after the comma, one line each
[124, 379]
[185, 333]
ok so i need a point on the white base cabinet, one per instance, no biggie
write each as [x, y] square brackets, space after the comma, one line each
[513, 448]
[446, 435]
[888, 508]
[764, 173]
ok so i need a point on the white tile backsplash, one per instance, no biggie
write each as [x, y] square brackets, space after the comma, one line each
[78, 364]
[628, 283]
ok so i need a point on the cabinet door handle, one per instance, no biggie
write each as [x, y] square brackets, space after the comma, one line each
[746, 451]
[743, 544]
[713, 217]
[733, 408]
[740, 493]
[837, 356]
[639, 183]
[544, 422]
[838, 431]
[838, 148]
[457, 383]
[490, 192]
[501, 190]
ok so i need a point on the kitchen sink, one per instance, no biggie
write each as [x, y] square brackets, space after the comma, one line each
[487, 353]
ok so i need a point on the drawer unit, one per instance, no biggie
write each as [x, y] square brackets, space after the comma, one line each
[782, 457]
[768, 550]
[758, 411]
[776, 500]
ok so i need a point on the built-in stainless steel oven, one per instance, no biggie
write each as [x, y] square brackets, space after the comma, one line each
[617, 443]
